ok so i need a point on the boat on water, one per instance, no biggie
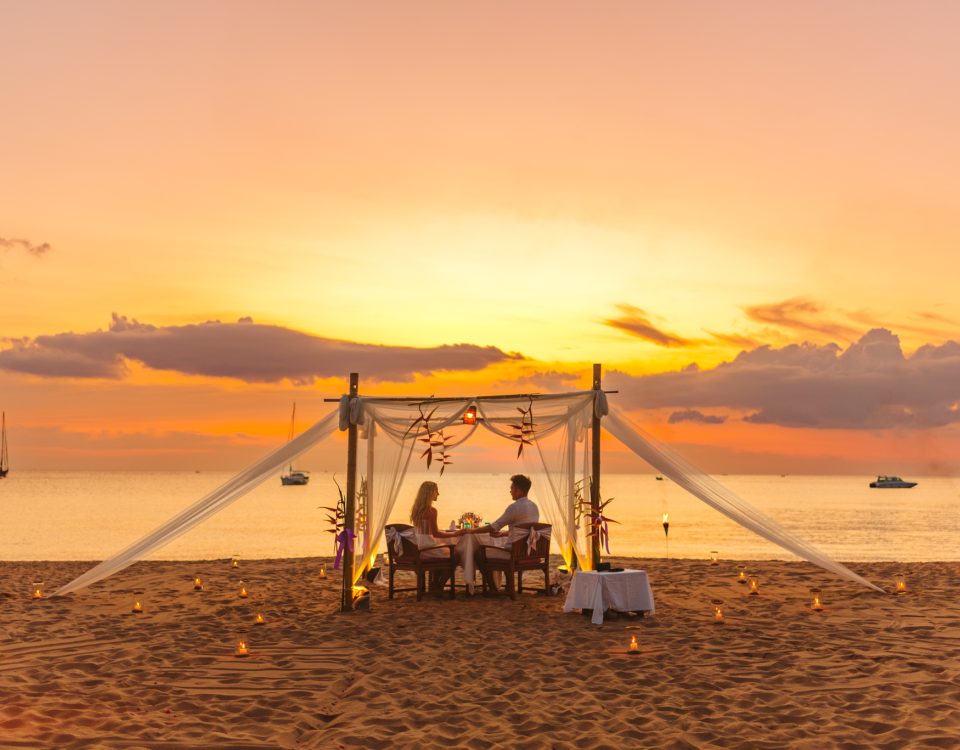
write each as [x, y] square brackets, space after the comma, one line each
[885, 482]
[294, 476]
[4, 458]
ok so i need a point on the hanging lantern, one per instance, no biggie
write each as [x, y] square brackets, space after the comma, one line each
[742, 575]
[243, 590]
[717, 612]
[634, 648]
[197, 583]
[754, 587]
[38, 589]
[258, 620]
[242, 649]
[714, 557]
[666, 524]
[137, 608]
[901, 585]
[470, 415]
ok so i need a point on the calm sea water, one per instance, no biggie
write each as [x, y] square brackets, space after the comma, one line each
[65, 515]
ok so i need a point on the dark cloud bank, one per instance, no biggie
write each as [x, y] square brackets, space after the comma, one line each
[870, 385]
[244, 350]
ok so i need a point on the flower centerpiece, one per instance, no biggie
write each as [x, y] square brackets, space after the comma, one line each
[469, 520]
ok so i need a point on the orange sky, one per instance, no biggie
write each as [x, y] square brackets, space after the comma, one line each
[645, 185]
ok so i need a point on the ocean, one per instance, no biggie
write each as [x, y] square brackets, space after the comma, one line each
[80, 515]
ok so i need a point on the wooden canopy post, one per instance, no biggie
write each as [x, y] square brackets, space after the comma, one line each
[595, 478]
[350, 511]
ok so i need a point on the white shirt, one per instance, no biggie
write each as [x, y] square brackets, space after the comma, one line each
[521, 510]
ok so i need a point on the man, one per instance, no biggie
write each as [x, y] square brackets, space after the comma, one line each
[521, 510]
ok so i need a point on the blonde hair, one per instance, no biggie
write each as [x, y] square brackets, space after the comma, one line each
[425, 495]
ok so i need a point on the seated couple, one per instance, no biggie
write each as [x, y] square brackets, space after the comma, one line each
[424, 518]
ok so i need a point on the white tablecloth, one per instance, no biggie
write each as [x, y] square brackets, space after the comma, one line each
[624, 591]
[467, 547]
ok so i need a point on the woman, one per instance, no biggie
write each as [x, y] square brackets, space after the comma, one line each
[423, 516]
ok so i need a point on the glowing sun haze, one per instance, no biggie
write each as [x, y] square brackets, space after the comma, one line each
[746, 212]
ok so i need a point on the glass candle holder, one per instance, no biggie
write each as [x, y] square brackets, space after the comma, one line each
[714, 557]
[197, 583]
[38, 589]
[901, 585]
[258, 620]
[717, 612]
[323, 570]
[634, 648]
[754, 586]
[235, 561]
[742, 575]
[243, 590]
[137, 607]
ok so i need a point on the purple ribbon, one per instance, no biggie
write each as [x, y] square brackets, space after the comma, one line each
[344, 541]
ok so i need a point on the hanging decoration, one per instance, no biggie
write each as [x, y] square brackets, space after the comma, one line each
[525, 431]
[437, 448]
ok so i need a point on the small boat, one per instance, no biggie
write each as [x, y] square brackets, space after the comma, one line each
[294, 476]
[659, 478]
[4, 458]
[885, 482]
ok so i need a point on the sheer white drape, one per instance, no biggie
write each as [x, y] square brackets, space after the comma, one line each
[212, 503]
[391, 430]
[714, 494]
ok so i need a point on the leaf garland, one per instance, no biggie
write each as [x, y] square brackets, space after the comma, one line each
[436, 442]
[525, 431]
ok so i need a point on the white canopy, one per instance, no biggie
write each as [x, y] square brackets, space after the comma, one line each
[552, 434]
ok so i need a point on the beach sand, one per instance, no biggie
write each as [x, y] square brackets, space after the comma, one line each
[870, 671]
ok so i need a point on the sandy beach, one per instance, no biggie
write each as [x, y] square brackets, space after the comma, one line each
[870, 671]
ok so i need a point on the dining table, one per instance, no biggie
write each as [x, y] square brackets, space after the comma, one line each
[466, 552]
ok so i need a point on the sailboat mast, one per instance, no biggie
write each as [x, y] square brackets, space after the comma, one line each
[4, 460]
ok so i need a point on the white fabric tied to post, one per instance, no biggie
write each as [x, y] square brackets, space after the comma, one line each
[532, 535]
[396, 538]
[600, 406]
[351, 411]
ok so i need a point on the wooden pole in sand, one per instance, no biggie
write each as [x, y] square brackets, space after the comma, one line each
[595, 478]
[350, 511]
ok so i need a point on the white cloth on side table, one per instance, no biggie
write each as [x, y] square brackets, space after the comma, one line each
[623, 591]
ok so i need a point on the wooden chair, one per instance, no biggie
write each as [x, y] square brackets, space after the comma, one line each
[518, 559]
[413, 558]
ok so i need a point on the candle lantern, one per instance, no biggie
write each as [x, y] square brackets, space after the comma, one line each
[742, 575]
[38, 589]
[242, 649]
[323, 570]
[817, 603]
[470, 415]
[634, 648]
[666, 524]
[137, 607]
[901, 585]
[714, 557]
[197, 583]
[754, 586]
[258, 620]
[243, 590]
[717, 612]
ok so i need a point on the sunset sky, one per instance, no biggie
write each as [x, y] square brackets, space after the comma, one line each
[748, 212]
